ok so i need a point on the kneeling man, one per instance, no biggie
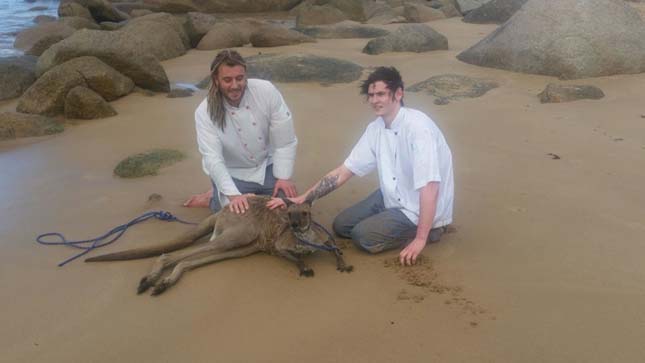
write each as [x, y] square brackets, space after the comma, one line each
[414, 202]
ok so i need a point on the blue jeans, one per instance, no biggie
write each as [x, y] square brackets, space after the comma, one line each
[248, 187]
[374, 228]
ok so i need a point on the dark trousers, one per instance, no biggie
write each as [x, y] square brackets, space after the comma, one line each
[374, 228]
[248, 187]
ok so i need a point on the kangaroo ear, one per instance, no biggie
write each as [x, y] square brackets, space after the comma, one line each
[287, 201]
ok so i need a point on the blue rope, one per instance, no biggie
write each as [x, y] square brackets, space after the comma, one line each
[317, 246]
[99, 241]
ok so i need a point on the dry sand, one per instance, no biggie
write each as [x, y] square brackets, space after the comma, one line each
[545, 264]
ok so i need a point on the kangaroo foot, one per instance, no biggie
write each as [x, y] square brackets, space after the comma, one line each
[145, 283]
[344, 268]
[160, 287]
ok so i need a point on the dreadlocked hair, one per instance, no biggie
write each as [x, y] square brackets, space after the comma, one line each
[215, 100]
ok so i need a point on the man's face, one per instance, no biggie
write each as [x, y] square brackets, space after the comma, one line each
[231, 82]
[382, 101]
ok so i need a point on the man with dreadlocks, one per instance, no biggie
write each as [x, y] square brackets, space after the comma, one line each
[246, 137]
[413, 204]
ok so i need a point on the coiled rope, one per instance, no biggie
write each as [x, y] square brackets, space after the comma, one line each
[101, 241]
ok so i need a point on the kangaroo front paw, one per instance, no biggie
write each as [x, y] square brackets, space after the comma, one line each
[307, 272]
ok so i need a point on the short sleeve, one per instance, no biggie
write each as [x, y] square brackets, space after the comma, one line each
[425, 157]
[362, 159]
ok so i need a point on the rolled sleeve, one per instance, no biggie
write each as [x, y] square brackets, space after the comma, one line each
[283, 136]
[425, 159]
[210, 147]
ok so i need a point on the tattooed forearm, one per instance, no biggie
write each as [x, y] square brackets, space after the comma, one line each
[324, 187]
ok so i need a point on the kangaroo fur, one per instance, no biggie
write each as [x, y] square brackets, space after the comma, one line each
[259, 229]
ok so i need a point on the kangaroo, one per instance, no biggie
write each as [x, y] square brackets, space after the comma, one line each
[289, 233]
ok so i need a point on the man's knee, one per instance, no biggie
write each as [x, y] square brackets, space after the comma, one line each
[366, 241]
[341, 227]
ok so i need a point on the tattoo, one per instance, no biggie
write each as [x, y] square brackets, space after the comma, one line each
[326, 186]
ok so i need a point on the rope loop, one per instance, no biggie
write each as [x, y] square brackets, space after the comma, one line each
[325, 247]
[92, 244]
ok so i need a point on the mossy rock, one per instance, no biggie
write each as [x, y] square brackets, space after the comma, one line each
[16, 125]
[147, 163]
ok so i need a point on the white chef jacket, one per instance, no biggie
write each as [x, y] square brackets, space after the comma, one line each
[408, 155]
[259, 132]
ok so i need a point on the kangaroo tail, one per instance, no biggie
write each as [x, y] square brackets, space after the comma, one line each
[204, 228]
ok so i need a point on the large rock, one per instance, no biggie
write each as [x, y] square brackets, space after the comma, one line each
[16, 75]
[353, 9]
[416, 13]
[100, 77]
[74, 10]
[47, 95]
[466, 6]
[447, 87]
[275, 36]
[569, 39]
[318, 15]
[248, 26]
[79, 22]
[29, 38]
[342, 30]
[449, 7]
[555, 93]
[303, 68]
[494, 12]
[161, 34]
[226, 6]
[135, 13]
[101, 10]
[130, 7]
[222, 35]
[14, 125]
[83, 103]
[197, 25]
[408, 38]
[382, 13]
[115, 48]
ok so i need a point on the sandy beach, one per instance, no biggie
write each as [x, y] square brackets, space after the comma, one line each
[544, 265]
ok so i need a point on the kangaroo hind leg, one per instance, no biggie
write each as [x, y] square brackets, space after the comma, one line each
[230, 238]
[200, 260]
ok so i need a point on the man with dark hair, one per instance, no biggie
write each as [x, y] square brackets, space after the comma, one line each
[246, 137]
[414, 202]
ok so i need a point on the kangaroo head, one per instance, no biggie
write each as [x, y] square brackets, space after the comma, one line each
[299, 216]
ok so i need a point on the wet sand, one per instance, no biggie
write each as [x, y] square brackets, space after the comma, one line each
[544, 265]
